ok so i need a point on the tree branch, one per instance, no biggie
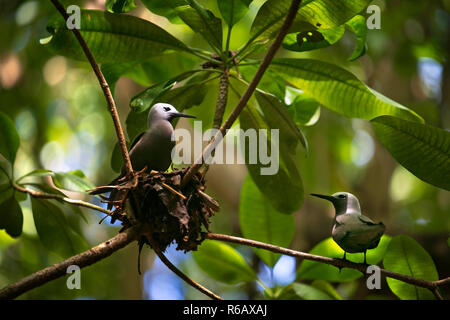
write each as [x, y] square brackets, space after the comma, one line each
[81, 260]
[37, 194]
[340, 263]
[106, 91]
[248, 92]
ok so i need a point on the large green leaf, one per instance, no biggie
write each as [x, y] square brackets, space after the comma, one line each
[112, 38]
[288, 198]
[165, 8]
[9, 138]
[404, 255]
[53, 229]
[311, 270]
[223, 263]
[319, 13]
[203, 22]
[120, 6]
[422, 149]
[338, 89]
[305, 111]
[6, 191]
[260, 221]
[233, 10]
[11, 217]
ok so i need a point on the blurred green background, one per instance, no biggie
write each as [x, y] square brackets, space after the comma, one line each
[61, 115]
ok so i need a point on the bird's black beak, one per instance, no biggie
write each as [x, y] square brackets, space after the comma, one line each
[322, 196]
[182, 115]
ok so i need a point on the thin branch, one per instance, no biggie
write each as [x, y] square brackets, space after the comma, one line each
[248, 92]
[340, 263]
[81, 260]
[42, 195]
[148, 233]
[105, 88]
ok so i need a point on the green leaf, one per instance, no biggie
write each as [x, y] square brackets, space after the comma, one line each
[6, 191]
[290, 197]
[203, 22]
[404, 255]
[233, 10]
[338, 89]
[112, 38]
[358, 26]
[223, 263]
[422, 149]
[312, 270]
[261, 222]
[45, 188]
[52, 228]
[120, 6]
[327, 288]
[37, 173]
[165, 8]
[318, 13]
[301, 291]
[9, 138]
[11, 217]
[72, 180]
[313, 39]
[304, 110]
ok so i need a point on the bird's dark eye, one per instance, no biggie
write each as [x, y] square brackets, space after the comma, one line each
[342, 196]
[167, 109]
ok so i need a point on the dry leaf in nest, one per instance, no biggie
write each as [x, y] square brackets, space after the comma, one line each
[172, 213]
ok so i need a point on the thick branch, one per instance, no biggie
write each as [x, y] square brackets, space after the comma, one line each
[105, 88]
[431, 285]
[250, 89]
[81, 260]
[37, 194]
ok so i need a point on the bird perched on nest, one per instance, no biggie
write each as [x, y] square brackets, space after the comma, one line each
[152, 149]
[352, 231]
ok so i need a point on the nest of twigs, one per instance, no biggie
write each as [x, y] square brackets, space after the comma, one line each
[172, 213]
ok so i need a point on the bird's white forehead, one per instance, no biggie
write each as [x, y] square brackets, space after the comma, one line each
[164, 107]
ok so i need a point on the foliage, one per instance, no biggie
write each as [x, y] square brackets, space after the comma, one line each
[314, 77]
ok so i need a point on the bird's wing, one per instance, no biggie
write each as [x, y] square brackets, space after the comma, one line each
[136, 140]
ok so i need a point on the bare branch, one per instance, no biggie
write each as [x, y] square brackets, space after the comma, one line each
[340, 263]
[42, 195]
[250, 89]
[82, 260]
[106, 91]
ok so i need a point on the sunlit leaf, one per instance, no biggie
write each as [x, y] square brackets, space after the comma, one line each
[422, 149]
[165, 8]
[301, 291]
[304, 110]
[311, 270]
[338, 89]
[120, 6]
[112, 38]
[72, 180]
[37, 173]
[11, 217]
[9, 138]
[261, 222]
[358, 26]
[404, 255]
[223, 263]
[233, 10]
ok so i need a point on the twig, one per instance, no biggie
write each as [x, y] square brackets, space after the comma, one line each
[248, 92]
[174, 269]
[106, 91]
[42, 195]
[340, 263]
[81, 260]
[165, 185]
